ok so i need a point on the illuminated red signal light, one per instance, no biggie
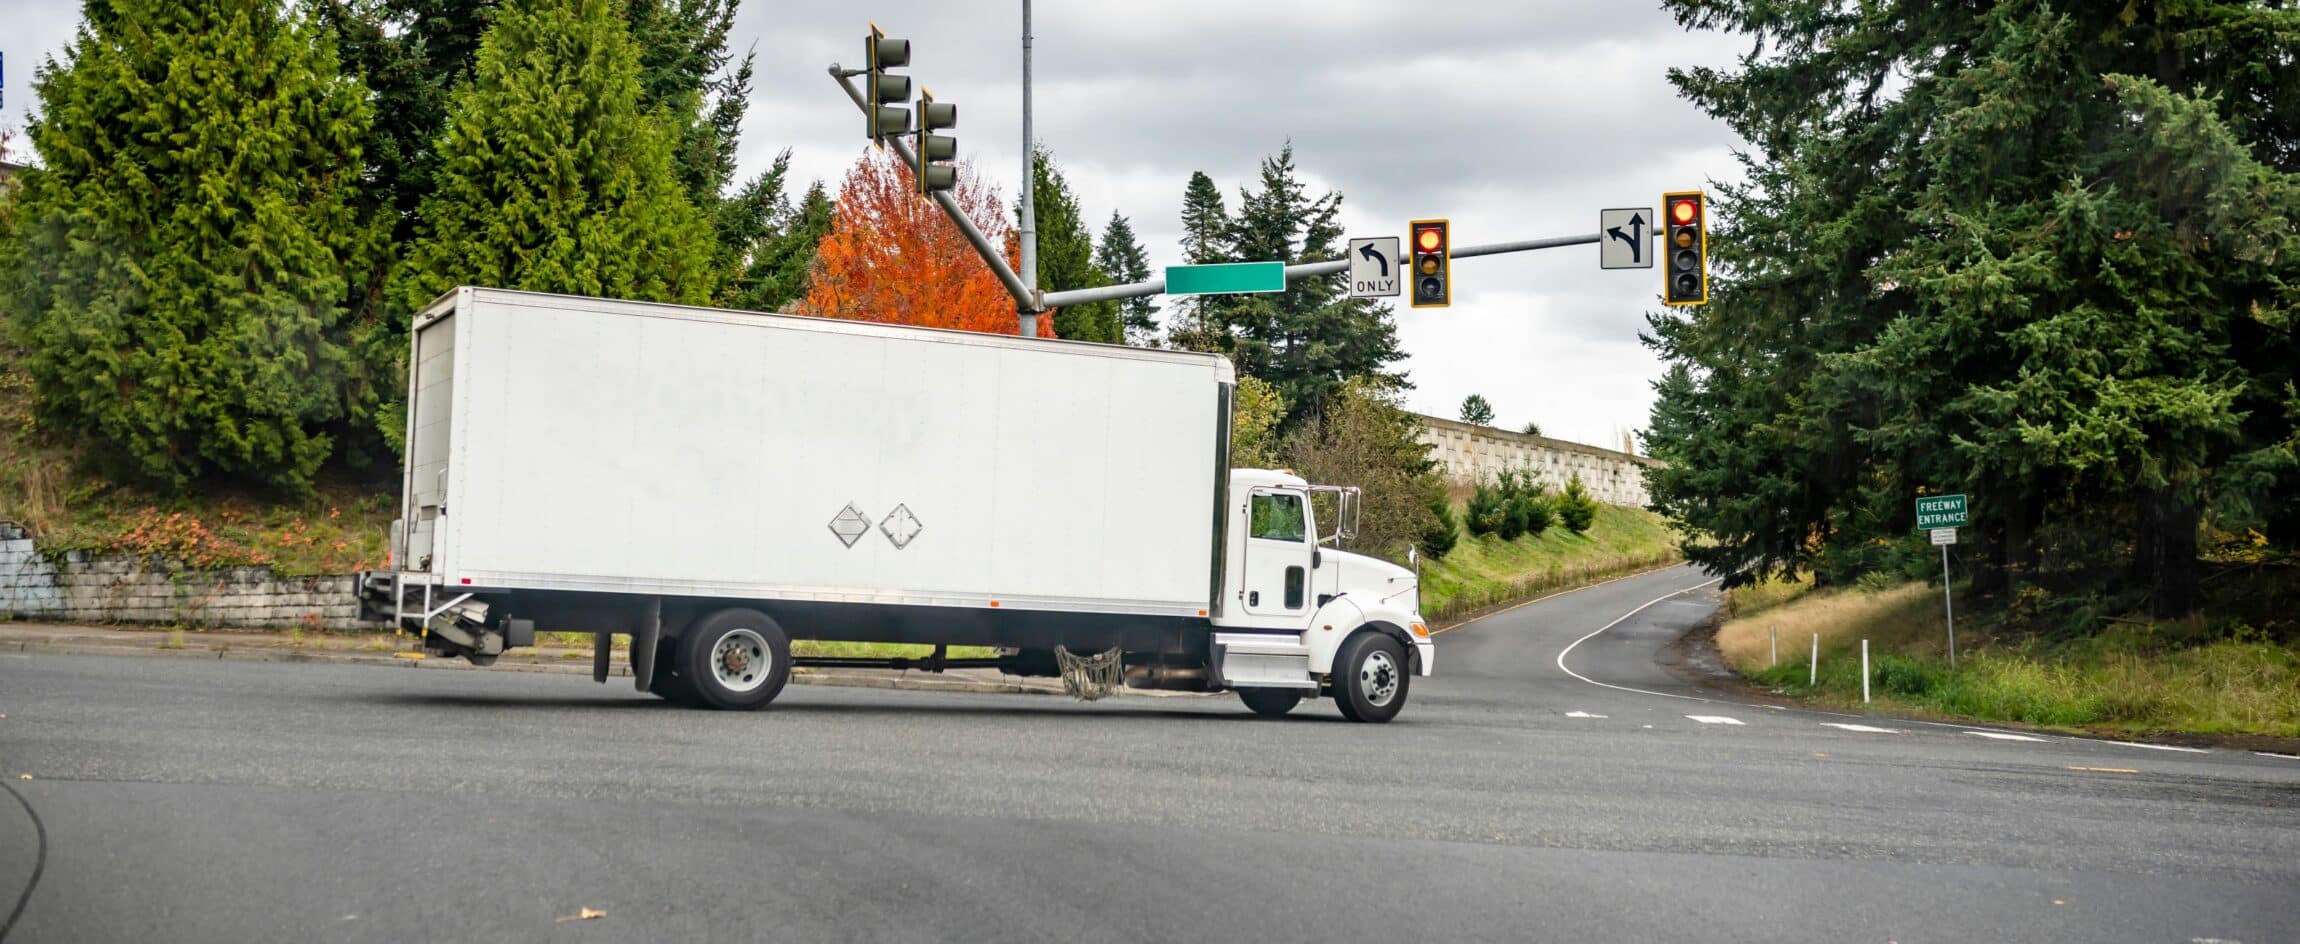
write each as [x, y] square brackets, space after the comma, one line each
[1684, 212]
[1429, 240]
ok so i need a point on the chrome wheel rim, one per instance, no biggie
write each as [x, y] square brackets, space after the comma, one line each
[1378, 678]
[741, 661]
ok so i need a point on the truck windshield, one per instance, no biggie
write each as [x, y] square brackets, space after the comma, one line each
[1278, 517]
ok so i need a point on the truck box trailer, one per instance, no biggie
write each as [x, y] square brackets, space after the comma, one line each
[714, 484]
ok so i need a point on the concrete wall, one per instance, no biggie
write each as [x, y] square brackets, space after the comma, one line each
[1467, 454]
[118, 588]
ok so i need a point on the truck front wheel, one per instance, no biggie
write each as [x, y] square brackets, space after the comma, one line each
[738, 659]
[1270, 702]
[1370, 677]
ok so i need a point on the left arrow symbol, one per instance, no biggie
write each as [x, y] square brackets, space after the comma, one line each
[1373, 255]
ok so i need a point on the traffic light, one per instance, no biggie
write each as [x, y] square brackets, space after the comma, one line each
[882, 92]
[1685, 279]
[1432, 264]
[935, 150]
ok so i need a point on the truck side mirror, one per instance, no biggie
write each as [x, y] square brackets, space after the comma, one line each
[1317, 558]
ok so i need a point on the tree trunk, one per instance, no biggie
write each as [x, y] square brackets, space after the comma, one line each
[2164, 557]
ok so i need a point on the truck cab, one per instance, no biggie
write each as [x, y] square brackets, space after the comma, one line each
[1298, 617]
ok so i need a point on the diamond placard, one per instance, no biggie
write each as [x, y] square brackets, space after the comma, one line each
[900, 526]
[849, 524]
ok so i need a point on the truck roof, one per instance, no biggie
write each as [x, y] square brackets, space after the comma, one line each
[455, 298]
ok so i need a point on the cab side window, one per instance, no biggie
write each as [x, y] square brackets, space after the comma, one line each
[1277, 517]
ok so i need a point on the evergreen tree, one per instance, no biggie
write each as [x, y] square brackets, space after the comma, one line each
[2044, 254]
[1205, 239]
[1066, 255]
[1120, 256]
[1312, 337]
[551, 178]
[1575, 509]
[178, 284]
[780, 269]
[1475, 411]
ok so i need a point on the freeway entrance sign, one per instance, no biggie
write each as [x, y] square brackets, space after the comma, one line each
[1374, 267]
[1226, 278]
[1623, 239]
[1941, 511]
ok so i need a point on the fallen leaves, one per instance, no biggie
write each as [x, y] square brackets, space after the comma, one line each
[587, 914]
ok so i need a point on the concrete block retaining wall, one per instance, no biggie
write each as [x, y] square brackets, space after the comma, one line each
[82, 587]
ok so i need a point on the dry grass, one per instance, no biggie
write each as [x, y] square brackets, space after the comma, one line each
[2134, 677]
[1904, 618]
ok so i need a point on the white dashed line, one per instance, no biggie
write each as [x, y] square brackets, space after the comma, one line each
[1581, 714]
[2282, 756]
[2001, 736]
[1714, 719]
[1864, 729]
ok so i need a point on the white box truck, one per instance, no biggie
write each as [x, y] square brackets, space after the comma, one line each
[714, 484]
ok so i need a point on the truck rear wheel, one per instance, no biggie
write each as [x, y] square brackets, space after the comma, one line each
[1270, 702]
[738, 659]
[1370, 677]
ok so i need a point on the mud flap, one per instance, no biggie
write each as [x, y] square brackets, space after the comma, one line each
[643, 642]
[600, 642]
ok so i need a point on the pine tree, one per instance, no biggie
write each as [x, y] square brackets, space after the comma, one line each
[551, 178]
[179, 280]
[1120, 256]
[1475, 411]
[1205, 239]
[1066, 255]
[780, 269]
[1311, 338]
[2044, 254]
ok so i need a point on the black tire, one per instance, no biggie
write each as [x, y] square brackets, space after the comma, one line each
[668, 683]
[752, 653]
[1371, 677]
[1270, 702]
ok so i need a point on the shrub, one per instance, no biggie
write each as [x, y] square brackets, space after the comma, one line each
[1575, 509]
[1439, 538]
[1487, 511]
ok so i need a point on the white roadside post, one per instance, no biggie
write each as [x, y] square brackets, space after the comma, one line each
[1864, 671]
[1773, 633]
[1813, 668]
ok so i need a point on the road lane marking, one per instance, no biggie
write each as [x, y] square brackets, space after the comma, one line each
[1864, 729]
[1562, 653]
[1560, 593]
[2283, 756]
[1581, 714]
[2161, 747]
[2103, 770]
[1715, 719]
[2001, 736]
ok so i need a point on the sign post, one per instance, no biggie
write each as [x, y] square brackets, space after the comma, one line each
[1943, 515]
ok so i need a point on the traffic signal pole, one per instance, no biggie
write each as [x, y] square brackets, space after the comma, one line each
[1029, 308]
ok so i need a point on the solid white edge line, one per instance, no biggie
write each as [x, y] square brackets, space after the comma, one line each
[2159, 747]
[1561, 654]
[2276, 755]
[1554, 595]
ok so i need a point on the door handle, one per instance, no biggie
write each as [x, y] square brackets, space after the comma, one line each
[1253, 598]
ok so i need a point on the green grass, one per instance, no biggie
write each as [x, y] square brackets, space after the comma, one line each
[1485, 570]
[2133, 677]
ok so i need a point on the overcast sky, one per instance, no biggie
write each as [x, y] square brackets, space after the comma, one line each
[1514, 118]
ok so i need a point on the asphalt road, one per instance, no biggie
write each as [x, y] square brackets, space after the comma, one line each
[1516, 799]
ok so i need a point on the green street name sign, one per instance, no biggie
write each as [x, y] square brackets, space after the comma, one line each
[1941, 511]
[1226, 278]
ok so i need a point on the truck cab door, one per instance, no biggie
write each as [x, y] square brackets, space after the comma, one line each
[1279, 551]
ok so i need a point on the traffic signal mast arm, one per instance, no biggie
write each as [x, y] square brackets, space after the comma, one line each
[1309, 269]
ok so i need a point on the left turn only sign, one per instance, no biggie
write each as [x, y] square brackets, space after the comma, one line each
[1374, 263]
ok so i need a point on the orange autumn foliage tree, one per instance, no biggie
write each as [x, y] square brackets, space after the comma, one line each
[892, 256]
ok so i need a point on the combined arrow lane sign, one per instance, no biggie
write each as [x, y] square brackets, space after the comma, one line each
[1374, 267]
[1625, 239]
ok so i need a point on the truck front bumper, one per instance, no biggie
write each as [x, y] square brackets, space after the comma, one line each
[1424, 655]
